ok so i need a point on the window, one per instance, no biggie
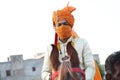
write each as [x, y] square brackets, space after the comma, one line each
[8, 73]
[33, 69]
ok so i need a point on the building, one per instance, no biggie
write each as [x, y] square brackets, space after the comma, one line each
[18, 69]
[96, 57]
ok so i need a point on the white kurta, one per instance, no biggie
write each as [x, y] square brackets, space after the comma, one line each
[84, 53]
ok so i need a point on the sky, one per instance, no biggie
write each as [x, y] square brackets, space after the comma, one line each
[26, 26]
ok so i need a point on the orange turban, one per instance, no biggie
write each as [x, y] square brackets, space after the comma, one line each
[65, 13]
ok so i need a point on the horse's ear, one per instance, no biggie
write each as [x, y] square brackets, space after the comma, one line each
[54, 57]
[73, 55]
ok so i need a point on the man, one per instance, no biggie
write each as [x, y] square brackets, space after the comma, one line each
[112, 66]
[67, 46]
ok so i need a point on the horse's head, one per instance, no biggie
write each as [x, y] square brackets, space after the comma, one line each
[66, 72]
[68, 69]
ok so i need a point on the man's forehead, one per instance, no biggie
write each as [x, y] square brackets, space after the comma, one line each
[62, 21]
[117, 66]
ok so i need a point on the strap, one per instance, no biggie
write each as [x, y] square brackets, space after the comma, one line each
[79, 70]
[55, 74]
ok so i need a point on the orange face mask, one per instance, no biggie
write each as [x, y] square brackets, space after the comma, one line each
[63, 31]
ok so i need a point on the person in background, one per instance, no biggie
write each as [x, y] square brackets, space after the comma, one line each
[67, 45]
[112, 66]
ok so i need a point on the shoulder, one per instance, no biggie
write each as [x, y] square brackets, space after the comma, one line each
[49, 49]
[80, 40]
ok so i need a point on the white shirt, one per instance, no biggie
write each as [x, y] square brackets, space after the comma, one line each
[84, 54]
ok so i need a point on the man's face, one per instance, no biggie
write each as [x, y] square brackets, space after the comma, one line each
[116, 75]
[62, 22]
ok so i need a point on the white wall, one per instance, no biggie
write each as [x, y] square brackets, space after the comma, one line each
[22, 73]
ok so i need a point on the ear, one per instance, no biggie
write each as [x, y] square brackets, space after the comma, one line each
[69, 8]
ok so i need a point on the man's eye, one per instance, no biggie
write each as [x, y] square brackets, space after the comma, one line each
[59, 24]
[65, 23]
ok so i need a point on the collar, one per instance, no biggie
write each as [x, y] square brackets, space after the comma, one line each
[70, 39]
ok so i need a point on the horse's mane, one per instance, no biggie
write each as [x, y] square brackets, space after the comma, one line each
[65, 68]
[66, 72]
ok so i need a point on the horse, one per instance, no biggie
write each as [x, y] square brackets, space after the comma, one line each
[68, 69]
[66, 72]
